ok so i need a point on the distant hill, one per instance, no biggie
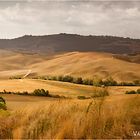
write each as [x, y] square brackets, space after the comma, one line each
[71, 42]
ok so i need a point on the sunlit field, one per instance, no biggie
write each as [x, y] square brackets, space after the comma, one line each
[106, 117]
[34, 117]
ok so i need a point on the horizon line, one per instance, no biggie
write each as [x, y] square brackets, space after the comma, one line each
[93, 35]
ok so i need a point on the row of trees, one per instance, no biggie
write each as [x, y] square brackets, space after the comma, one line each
[79, 80]
[36, 92]
[96, 81]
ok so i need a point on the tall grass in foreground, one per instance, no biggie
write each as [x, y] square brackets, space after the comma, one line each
[93, 118]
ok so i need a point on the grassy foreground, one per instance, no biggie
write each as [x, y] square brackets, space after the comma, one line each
[72, 118]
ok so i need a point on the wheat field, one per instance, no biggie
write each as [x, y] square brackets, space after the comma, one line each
[107, 117]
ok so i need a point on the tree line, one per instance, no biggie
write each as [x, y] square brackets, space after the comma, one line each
[95, 81]
[36, 92]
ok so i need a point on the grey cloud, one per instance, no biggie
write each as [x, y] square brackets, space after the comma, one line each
[91, 17]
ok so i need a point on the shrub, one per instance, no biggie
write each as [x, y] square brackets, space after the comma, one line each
[25, 93]
[78, 80]
[110, 82]
[81, 97]
[60, 78]
[67, 78]
[131, 92]
[87, 82]
[2, 103]
[2, 100]
[97, 82]
[41, 92]
[3, 106]
[138, 91]
[16, 77]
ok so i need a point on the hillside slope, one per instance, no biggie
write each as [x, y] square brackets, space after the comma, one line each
[71, 42]
[85, 64]
[89, 65]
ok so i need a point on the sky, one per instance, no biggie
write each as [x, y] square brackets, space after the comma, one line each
[85, 17]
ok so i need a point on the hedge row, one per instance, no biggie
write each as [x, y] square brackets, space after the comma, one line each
[79, 80]
[95, 82]
[133, 92]
[36, 92]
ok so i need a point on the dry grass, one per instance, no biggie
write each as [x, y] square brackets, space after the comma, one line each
[58, 88]
[61, 119]
[85, 64]
[115, 116]
[54, 87]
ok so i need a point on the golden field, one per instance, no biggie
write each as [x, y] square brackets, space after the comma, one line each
[107, 117]
[34, 117]
[56, 87]
[84, 64]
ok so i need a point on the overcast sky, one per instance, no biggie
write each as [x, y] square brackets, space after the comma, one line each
[84, 17]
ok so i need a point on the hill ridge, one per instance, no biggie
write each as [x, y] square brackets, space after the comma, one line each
[71, 42]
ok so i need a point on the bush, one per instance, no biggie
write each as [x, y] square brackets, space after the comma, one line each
[109, 82]
[138, 91]
[67, 78]
[2, 103]
[82, 97]
[3, 106]
[60, 78]
[25, 93]
[78, 80]
[131, 92]
[97, 82]
[87, 82]
[16, 77]
[41, 92]
[2, 100]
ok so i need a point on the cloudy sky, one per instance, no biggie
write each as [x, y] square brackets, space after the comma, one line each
[118, 18]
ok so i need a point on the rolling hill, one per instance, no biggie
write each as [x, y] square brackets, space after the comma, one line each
[85, 64]
[71, 42]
